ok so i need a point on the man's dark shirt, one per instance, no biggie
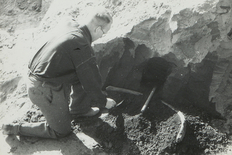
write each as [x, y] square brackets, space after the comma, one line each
[69, 58]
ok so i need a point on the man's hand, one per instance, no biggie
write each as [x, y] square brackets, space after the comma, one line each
[110, 103]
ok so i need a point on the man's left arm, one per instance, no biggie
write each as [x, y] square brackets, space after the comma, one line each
[88, 74]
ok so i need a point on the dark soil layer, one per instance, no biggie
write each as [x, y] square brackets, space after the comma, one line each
[125, 134]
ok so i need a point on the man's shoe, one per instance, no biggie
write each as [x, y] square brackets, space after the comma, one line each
[92, 112]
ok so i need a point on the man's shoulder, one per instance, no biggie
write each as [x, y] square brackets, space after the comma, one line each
[70, 31]
[68, 27]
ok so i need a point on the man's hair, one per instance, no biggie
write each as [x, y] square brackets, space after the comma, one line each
[101, 17]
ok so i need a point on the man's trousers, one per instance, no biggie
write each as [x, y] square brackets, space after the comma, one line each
[56, 101]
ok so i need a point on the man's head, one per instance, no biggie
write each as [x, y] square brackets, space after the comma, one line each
[99, 23]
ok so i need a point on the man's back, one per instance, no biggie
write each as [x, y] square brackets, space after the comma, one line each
[56, 57]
